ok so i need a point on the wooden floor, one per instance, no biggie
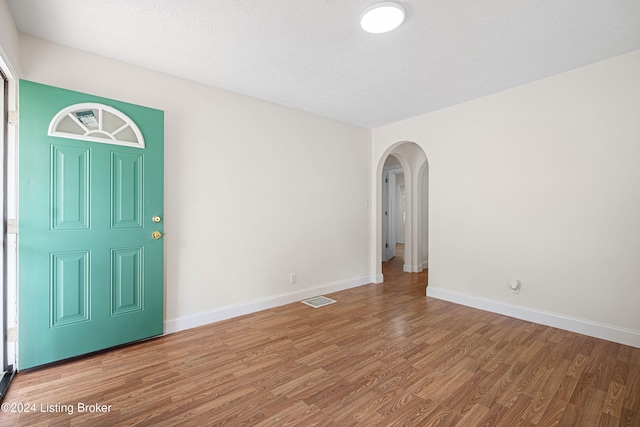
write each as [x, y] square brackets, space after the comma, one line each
[383, 355]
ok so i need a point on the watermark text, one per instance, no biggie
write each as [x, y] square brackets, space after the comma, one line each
[56, 408]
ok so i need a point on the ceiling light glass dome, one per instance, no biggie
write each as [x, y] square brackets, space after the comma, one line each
[382, 17]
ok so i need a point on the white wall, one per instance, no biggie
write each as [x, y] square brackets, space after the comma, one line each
[8, 36]
[539, 183]
[253, 191]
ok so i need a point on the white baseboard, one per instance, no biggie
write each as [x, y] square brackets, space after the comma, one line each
[247, 307]
[581, 326]
[408, 268]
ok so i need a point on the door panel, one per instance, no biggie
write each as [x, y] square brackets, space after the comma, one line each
[69, 288]
[127, 179]
[70, 187]
[385, 217]
[127, 280]
[90, 273]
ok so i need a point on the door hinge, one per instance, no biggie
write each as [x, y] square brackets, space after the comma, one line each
[386, 180]
[12, 334]
[386, 245]
[12, 226]
[13, 117]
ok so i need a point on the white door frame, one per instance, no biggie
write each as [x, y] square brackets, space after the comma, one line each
[3, 231]
[8, 207]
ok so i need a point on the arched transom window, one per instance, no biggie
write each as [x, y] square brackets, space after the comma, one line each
[98, 123]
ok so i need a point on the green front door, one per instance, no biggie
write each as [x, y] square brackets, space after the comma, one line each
[90, 266]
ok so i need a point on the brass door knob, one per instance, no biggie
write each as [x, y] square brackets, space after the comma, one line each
[156, 235]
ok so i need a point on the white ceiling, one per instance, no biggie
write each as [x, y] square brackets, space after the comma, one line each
[311, 54]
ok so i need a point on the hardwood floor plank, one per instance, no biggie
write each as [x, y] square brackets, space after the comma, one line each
[474, 416]
[503, 386]
[607, 420]
[543, 395]
[383, 355]
[516, 416]
[632, 391]
[592, 410]
[553, 414]
[578, 366]
[630, 418]
[615, 400]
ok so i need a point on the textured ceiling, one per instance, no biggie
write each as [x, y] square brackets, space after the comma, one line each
[311, 54]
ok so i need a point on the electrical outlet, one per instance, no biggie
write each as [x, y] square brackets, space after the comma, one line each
[514, 285]
[293, 279]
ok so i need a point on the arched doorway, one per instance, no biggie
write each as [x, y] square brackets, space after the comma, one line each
[415, 169]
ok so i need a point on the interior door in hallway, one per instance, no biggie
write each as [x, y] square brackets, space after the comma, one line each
[90, 223]
[393, 216]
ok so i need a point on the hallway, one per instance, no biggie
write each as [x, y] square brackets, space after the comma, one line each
[392, 271]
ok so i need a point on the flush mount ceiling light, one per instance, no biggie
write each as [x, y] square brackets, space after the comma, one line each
[382, 17]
